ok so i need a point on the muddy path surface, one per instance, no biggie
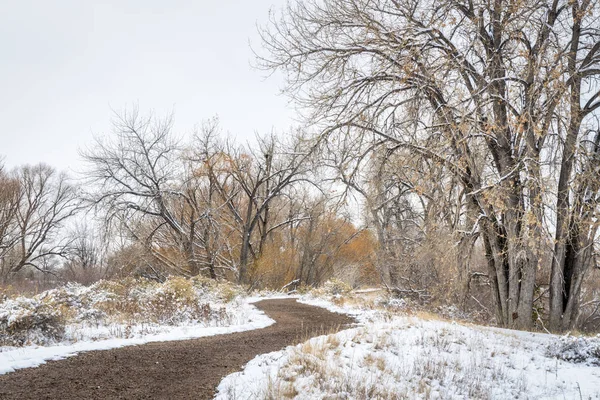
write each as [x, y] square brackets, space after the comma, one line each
[189, 369]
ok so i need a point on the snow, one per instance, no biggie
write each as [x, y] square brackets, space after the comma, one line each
[389, 354]
[401, 356]
[11, 358]
[368, 290]
[118, 309]
[361, 315]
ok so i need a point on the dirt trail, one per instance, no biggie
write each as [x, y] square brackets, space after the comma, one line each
[189, 369]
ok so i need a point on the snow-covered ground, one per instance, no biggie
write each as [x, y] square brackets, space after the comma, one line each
[63, 322]
[390, 355]
[12, 358]
[395, 356]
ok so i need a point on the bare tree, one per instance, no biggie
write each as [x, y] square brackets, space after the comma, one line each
[9, 205]
[262, 175]
[213, 191]
[86, 260]
[190, 201]
[42, 201]
[482, 90]
[136, 179]
[577, 194]
[324, 233]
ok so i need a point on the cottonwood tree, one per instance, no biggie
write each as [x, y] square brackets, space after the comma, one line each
[262, 174]
[192, 201]
[579, 173]
[37, 203]
[9, 204]
[396, 199]
[496, 94]
[135, 177]
[213, 189]
[162, 194]
[412, 207]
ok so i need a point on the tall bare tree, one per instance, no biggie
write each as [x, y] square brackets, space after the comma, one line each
[214, 192]
[263, 174]
[483, 90]
[42, 202]
[192, 200]
[9, 205]
[135, 178]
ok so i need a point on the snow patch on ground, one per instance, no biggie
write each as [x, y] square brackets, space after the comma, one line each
[246, 317]
[410, 357]
[363, 316]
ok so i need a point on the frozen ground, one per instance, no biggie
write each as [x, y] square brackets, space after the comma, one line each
[392, 356]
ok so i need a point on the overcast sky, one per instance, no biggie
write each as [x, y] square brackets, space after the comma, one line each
[67, 63]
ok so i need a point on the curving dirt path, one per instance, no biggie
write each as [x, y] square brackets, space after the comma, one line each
[189, 369]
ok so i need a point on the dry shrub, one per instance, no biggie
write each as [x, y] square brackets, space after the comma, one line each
[175, 302]
[276, 266]
[180, 288]
[439, 272]
[328, 247]
[172, 302]
[42, 319]
[34, 320]
[332, 287]
[6, 292]
[576, 349]
[432, 267]
[30, 322]
[202, 282]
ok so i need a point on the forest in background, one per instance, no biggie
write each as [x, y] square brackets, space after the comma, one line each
[150, 205]
[450, 151]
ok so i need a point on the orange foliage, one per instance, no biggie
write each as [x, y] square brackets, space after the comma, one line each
[315, 251]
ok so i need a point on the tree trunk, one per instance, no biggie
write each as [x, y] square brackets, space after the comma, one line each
[244, 254]
[561, 268]
[306, 254]
[188, 248]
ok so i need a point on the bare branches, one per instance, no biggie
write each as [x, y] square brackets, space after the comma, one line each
[199, 208]
[478, 92]
[36, 203]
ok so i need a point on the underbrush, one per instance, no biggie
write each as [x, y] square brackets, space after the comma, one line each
[113, 308]
[576, 349]
[332, 287]
[388, 304]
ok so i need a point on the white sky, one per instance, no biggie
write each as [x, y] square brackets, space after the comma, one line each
[66, 63]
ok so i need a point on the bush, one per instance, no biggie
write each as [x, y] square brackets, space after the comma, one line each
[43, 318]
[333, 287]
[576, 349]
[393, 303]
[24, 322]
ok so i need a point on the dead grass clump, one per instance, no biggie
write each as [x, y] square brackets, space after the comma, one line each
[279, 389]
[6, 292]
[371, 360]
[312, 363]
